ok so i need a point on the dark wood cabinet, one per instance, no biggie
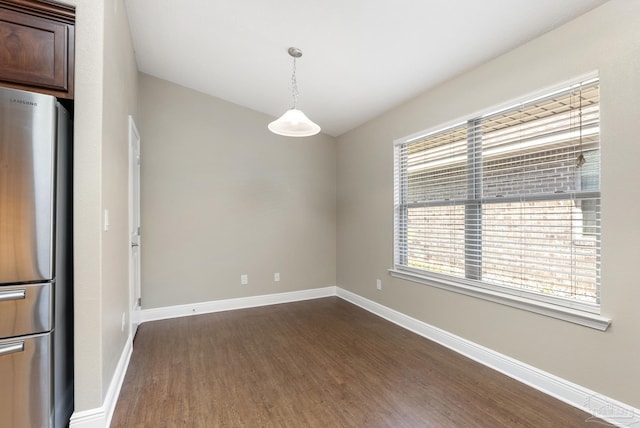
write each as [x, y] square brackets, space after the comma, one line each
[37, 46]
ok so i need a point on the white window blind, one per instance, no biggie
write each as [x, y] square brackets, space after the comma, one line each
[509, 201]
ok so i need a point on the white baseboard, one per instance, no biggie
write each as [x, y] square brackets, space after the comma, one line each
[92, 418]
[101, 417]
[231, 304]
[612, 411]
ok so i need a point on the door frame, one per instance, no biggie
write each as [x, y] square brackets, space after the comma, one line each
[134, 229]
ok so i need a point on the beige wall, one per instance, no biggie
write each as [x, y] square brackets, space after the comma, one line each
[120, 100]
[606, 39]
[106, 92]
[222, 196]
[87, 237]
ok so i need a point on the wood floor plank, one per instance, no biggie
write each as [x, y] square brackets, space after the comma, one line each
[318, 363]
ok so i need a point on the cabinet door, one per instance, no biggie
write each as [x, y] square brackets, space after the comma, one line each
[34, 51]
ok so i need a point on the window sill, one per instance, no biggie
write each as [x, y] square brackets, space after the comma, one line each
[575, 316]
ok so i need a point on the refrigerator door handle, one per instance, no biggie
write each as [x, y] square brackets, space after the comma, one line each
[10, 348]
[13, 295]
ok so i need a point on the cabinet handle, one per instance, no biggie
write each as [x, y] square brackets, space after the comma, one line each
[10, 348]
[13, 295]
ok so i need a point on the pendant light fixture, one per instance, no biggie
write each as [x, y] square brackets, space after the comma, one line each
[294, 123]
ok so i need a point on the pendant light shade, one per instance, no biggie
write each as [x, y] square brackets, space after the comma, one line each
[294, 123]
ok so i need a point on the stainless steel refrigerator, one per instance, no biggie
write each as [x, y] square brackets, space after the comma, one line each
[36, 302]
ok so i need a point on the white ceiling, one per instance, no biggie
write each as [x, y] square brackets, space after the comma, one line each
[361, 57]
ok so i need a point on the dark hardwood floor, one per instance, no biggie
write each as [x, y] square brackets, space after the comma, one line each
[317, 363]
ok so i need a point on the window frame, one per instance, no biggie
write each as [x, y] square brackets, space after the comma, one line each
[581, 313]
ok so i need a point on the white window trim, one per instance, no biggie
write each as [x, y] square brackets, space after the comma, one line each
[576, 316]
[577, 313]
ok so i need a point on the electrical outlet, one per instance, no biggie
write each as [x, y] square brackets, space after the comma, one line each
[244, 279]
[276, 277]
[124, 317]
[378, 284]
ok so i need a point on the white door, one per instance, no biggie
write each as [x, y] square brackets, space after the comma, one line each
[134, 228]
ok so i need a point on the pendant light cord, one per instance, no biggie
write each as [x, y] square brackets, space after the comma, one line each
[294, 84]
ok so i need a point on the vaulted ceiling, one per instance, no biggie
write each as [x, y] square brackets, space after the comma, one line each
[360, 57]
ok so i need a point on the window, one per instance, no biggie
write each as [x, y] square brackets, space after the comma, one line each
[507, 202]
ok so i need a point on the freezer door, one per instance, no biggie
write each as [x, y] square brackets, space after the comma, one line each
[25, 370]
[27, 147]
[26, 309]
